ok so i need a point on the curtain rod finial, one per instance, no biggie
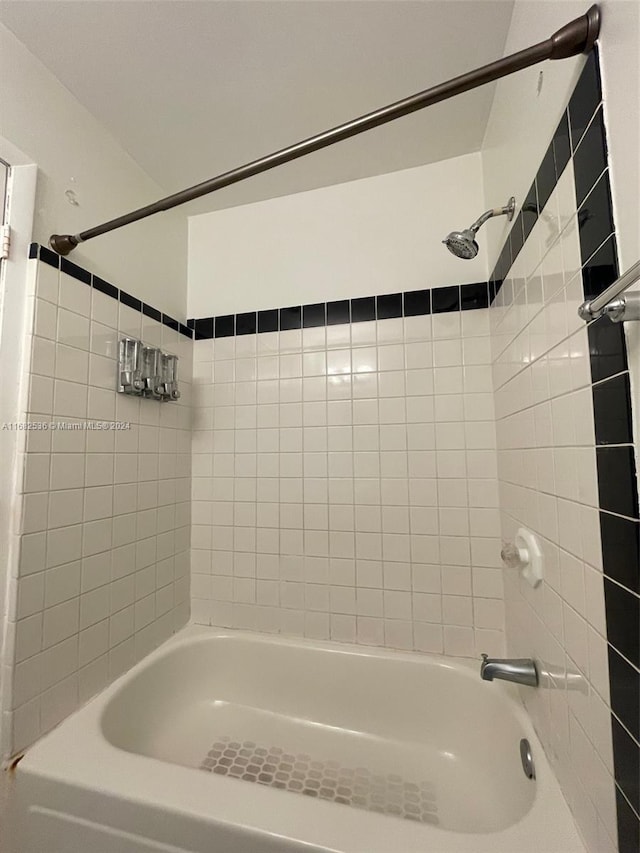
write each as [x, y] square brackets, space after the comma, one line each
[63, 243]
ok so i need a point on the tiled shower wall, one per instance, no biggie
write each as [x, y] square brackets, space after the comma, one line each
[345, 480]
[103, 531]
[548, 483]
[564, 473]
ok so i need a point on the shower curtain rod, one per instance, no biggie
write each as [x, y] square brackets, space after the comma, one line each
[578, 36]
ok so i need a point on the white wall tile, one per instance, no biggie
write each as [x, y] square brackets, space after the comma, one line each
[47, 283]
[82, 541]
[45, 319]
[60, 622]
[334, 442]
[62, 583]
[30, 595]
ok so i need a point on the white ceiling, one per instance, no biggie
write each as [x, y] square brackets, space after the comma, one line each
[191, 89]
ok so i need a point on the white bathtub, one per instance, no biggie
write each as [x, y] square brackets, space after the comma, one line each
[342, 730]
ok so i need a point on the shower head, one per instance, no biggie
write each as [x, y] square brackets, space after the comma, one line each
[463, 245]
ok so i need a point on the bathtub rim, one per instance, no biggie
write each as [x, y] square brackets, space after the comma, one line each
[59, 757]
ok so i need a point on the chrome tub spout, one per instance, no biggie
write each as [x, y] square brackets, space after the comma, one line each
[518, 670]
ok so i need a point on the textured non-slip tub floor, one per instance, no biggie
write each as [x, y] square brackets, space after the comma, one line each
[327, 780]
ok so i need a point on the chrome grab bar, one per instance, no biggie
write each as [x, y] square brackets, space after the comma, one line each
[610, 303]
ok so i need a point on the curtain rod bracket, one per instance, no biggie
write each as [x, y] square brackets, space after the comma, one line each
[63, 243]
[578, 36]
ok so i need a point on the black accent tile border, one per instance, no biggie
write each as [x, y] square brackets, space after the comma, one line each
[474, 296]
[516, 237]
[625, 694]
[290, 318]
[413, 303]
[601, 269]
[612, 411]
[171, 323]
[581, 136]
[617, 487]
[246, 324]
[621, 550]
[585, 98]
[627, 765]
[388, 307]
[268, 321]
[628, 825]
[445, 299]
[47, 256]
[590, 159]
[546, 177]
[417, 302]
[595, 218]
[75, 271]
[203, 328]
[106, 288]
[224, 327]
[363, 309]
[607, 348]
[314, 315]
[530, 210]
[148, 311]
[338, 312]
[561, 143]
[623, 628]
[130, 301]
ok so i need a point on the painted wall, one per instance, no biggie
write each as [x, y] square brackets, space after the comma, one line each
[376, 235]
[73, 151]
[620, 64]
[523, 119]
[620, 69]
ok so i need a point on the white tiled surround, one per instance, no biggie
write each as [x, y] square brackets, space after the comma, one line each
[548, 483]
[345, 484]
[101, 573]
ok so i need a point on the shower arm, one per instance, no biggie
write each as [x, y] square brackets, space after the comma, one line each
[578, 36]
[507, 210]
